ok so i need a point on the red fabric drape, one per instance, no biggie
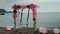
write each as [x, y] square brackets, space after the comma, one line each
[33, 8]
[15, 7]
[34, 13]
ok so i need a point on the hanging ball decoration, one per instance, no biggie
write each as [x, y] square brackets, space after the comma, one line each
[14, 15]
[56, 30]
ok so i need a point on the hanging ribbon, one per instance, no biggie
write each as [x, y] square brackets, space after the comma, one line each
[22, 6]
[34, 14]
[28, 14]
[15, 7]
[14, 16]
[33, 8]
[21, 16]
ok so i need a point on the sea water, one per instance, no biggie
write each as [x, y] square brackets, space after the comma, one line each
[43, 20]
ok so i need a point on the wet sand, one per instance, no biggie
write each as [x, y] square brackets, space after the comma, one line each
[3, 30]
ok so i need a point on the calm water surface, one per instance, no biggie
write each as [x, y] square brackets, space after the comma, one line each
[43, 20]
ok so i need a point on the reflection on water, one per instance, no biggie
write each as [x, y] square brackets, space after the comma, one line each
[45, 20]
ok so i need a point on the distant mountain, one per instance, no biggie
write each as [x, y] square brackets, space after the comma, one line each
[2, 10]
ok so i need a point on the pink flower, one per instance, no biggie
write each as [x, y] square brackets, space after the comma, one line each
[8, 28]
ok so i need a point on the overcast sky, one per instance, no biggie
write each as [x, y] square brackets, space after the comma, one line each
[45, 5]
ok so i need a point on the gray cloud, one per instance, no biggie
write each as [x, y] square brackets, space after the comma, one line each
[2, 3]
